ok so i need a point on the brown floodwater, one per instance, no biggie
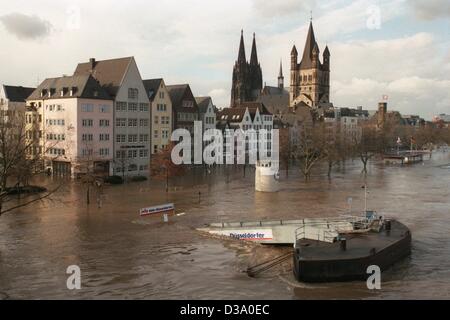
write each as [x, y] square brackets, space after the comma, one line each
[122, 255]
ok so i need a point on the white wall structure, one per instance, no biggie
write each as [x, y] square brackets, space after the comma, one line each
[266, 176]
[132, 121]
[207, 112]
[161, 114]
[72, 119]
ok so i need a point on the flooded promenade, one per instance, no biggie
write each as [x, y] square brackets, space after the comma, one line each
[122, 255]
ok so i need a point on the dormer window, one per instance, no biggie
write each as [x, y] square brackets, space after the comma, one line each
[73, 90]
[187, 104]
[43, 92]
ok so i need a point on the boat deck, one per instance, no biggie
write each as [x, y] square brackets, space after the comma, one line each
[357, 244]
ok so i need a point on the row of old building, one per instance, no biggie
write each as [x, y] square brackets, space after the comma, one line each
[104, 118]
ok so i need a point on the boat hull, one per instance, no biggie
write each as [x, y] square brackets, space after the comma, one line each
[351, 263]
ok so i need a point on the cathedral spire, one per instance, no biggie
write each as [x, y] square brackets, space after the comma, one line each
[254, 55]
[241, 55]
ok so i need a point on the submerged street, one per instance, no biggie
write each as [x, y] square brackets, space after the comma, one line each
[123, 255]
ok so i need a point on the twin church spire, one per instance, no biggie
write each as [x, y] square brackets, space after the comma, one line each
[254, 54]
[247, 76]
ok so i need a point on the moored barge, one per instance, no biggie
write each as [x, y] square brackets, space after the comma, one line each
[373, 241]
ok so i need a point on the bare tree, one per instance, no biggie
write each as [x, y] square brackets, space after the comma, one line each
[368, 145]
[21, 159]
[309, 149]
[163, 168]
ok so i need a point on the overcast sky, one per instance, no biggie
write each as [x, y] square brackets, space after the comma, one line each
[395, 47]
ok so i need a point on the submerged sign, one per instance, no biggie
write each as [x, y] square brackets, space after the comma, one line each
[157, 209]
[246, 234]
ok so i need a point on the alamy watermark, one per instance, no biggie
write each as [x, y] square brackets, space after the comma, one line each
[228, 147]
[74, 280]
[374, 280]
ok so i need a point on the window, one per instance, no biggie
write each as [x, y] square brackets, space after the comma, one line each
[165, 120]
[165, 134]
[104, 108]
[104, 137]
[143, 138]
[155, 134]
[132, 122]
[161, 107]
[104, 123]
[87, 108]
[120, 154]
[120, 138]
[161, 94]
[143, 122]
[86, 152]
[104, 151]
[121, 106]
[87, 122]
[133, 93]
[87, 137]
[132, 138]
[187, 104]
[143, 107]
[132, 167]
[143, 153]
[132, 106]
[156, 119]
[132, 153]
[155, 148]
[121, 122]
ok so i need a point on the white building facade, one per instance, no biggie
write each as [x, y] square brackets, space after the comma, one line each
[132, 121]
[70, 122]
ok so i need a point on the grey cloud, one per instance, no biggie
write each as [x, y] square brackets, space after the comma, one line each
[431, 9]
[26, 27]
[282, 7]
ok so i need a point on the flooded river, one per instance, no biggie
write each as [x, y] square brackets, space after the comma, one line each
[122, 255]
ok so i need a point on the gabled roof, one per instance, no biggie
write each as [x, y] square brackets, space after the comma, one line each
[236, 114]
[177, 92]
[203, 103]
[17, 93]
[109, 73]
[151, 87]
[270, 90]
[82, 86]
[230, 115]
[252, 106]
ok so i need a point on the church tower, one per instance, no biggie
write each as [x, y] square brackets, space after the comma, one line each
[247, 76]
[310, 79]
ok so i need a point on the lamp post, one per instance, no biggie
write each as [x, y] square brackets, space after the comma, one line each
[167, 177]
[365, 198]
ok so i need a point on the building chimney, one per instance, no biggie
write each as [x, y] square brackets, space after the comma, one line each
[92, 63]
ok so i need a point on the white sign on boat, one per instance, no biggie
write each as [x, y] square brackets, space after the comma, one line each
[157, 209]
[246, 234]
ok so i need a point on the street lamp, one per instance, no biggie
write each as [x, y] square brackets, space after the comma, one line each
[167, 177]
